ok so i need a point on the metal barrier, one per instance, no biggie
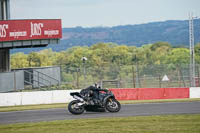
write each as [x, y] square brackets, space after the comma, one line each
[20, 79]
[11, 81]
[39, 79]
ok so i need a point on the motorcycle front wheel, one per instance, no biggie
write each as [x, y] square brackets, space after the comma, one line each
[75, 108]
[112, 105]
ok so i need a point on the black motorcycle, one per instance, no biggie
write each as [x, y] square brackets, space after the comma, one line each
[84, 101]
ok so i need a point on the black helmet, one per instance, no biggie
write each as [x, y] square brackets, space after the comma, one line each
[96, 85]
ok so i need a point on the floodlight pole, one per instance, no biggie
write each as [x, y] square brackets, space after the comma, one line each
[192, 53]
[84, 59]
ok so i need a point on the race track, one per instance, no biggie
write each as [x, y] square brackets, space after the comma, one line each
[127, 110]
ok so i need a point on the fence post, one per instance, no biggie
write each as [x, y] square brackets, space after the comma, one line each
[159, 78]
[198, 72]
[178, 74]
[138, 76]
[133, 72]
[38, 74]
[181, 74]
[14, 74]
[77, 77]
[118, 84]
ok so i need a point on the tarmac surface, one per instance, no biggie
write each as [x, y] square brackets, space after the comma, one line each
[147, 109]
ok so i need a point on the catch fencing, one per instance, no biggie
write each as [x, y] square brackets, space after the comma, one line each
[67, 77]
[129, 76]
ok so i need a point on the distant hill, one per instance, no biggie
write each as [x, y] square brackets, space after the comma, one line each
[175, 32]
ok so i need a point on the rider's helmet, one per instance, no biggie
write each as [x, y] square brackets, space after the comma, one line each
[97, 86]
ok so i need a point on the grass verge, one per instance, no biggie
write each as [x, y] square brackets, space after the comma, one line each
[64, 105]
[32, 107]
[160, 101]
[140, 124]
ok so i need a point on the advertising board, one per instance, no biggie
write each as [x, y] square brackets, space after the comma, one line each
[13, 30]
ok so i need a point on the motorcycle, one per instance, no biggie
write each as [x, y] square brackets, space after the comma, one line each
[85, 102]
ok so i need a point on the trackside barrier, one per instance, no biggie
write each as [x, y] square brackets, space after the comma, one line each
[37, 97]
[150, 93]
[63, 96]
[195, 92]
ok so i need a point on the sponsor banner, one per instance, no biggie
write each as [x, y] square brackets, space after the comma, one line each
[13, 30]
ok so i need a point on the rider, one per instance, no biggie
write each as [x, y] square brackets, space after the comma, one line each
[93, 91]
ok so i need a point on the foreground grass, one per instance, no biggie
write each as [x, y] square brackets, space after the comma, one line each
[139, 124]
[64, 105]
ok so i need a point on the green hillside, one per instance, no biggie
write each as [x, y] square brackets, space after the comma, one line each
[175, 32]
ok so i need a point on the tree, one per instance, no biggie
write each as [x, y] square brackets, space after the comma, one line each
[160, 44]
[178, 56]
[19, 60]
[34, 60]
[121, 55]
[197, 53]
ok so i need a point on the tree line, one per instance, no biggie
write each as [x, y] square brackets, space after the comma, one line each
[100, 56]
[107, 53]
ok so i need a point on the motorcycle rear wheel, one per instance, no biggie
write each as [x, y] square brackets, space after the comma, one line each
[74, 108]
[112, 105]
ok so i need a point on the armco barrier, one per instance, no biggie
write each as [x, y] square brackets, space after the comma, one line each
[150, 93]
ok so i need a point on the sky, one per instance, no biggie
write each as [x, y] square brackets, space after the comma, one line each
[106, 13]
